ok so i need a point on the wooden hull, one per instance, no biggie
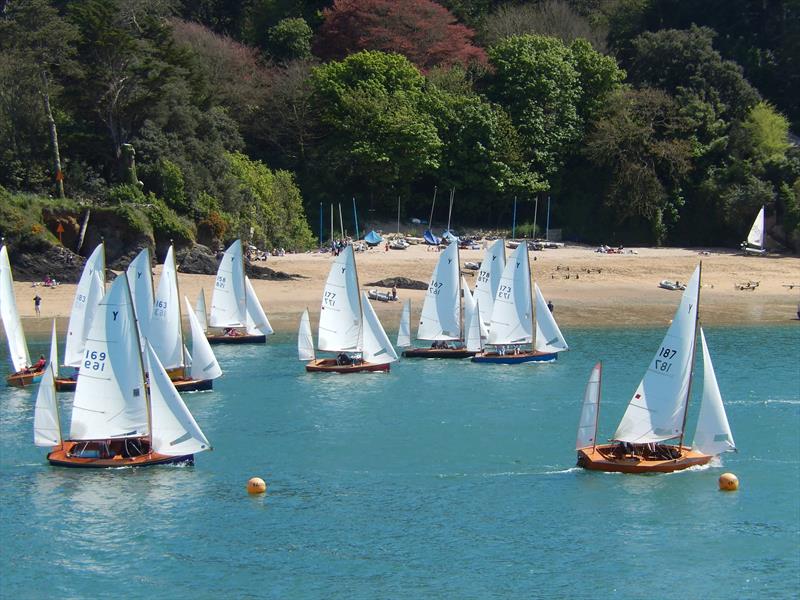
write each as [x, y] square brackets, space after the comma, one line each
[71, 455]
[64, 384]
[438, 353]
[608, 458]
[236, 339]
[514, 359]
[329, 365]
[24, 379]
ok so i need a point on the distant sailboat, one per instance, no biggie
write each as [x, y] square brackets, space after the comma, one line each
[658, 410]
[234, 305]
[755, 238]
[22, 372]
[514, 313]
[200, 310]
[404, 331]
[348, 325]
[440, 321]
[116, 420]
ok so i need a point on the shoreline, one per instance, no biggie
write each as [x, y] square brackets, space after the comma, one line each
[588, 289]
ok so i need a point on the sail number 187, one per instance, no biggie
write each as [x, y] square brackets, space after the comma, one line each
[663, 361]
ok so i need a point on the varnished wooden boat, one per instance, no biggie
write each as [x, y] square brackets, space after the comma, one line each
[236, 339]
[512, 358]
[438, 353]
[128, 452]
[331, 365]
[182, 384]
[615, 458]
[24, 379]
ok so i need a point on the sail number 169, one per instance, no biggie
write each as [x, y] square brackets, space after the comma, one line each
[94, 360]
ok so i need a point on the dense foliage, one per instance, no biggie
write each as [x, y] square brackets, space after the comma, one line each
[645, 121]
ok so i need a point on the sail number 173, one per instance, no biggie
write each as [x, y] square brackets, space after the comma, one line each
[663, 360]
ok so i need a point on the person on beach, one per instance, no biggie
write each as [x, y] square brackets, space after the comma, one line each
[37, 301]
[394, 292]
[550, 305]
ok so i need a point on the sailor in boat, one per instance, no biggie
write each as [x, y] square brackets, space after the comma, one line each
[36, 367]
[115, 449]
[231, 332]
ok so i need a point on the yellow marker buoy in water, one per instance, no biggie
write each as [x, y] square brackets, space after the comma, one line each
[728, 482]
[256, 485]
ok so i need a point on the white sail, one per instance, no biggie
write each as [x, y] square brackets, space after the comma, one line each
[46, 424]
[141, 281]
[404, 332]
[17, 346]
[713, 434]
[472, 322]
[512, 314]
[548, 335]
[204, 363]
[228, 304]
[470, 304]
[165, 333]
[655, 412]
[257, 321]
[587, 426]
[305, 341]
[80, 318]
[441, 312]
[494, 261]
[340, 314]
[200, 310]
[376, 348]
[174, 430]
[756, 235]
[110, 393]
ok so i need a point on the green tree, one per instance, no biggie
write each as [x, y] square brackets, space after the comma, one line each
[768, 132]
[377, 133]
[289, 39]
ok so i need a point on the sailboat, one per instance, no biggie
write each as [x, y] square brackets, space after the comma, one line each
[658, 410]
[489, 274]
[754, 244]
[90, 290]
[164, 331]
[234, 304]
[517, 306]
[404, 331]
[440, 321]
[348, 326]
[118, 420]
[23, 374]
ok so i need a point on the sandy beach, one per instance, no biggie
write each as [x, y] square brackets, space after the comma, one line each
[587, 288]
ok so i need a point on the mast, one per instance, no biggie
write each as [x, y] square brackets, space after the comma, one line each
[180, 313]
[694, 352]
[430, 220]
[398, 213]
[597, 411]
[141, 362]
[530, 295]
[450, 210]
[460, 295]
[341, 222]
[360, 306]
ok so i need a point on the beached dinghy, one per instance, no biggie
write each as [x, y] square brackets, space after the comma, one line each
[116, 420]
[440, 321]
[23, 373]
[511, 332]
[234, 304]
[348, 326]
[658, 409]
[754, 244]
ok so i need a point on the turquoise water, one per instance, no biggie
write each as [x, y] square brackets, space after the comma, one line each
[440, 479]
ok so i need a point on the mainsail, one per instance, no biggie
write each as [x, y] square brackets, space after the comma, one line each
[494, 261]
[713, 434]
[656, 411]
[165, 332]
[441, 312]
[340, 314]
[140, 279]
[17, 346]
[512, 314]
[756, 235]
[87, 295]
[110, 393]
[228, 304]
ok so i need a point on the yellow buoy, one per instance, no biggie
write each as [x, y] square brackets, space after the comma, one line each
[256, 485]
[728, 482]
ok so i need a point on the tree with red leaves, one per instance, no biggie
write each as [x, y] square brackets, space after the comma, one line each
[421, 30]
